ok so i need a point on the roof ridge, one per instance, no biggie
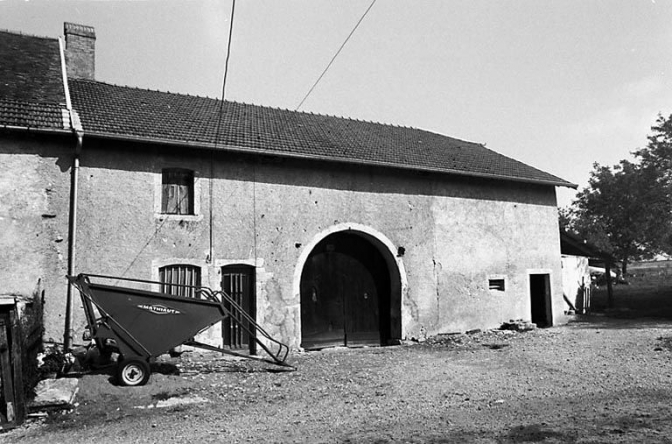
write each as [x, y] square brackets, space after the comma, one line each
[137, 88]
[274, 108]
[25, 34]
[268, 107]
[254, 128]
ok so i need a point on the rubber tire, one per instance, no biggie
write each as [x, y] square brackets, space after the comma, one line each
[133, 372]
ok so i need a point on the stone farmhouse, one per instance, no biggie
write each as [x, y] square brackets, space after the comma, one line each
[330, 231]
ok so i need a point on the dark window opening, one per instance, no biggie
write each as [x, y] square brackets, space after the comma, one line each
[496, 284]
[177, 191]
[180, 280]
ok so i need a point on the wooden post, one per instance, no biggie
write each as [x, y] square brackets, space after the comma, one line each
[6, 370]
[610, 289]
[16, 356]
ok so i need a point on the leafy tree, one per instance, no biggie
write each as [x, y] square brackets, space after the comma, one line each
[565, 218]
[657, 156]
[658, 152]
[626, 210]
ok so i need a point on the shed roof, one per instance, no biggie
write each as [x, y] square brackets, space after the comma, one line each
[116, 111]
[573, 245]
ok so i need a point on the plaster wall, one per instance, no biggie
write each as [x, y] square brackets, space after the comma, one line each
[575, 277]
[34, 195]
[456, 232]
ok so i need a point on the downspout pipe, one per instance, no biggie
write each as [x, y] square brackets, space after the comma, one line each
[72, 238]
[78, 131]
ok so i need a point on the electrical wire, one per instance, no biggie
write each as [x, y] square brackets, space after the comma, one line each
[219, 120]
[336, 55]
[165, 217]
[219, 124]
[228, 49]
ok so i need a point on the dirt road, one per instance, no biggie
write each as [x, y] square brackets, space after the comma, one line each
[596, 380]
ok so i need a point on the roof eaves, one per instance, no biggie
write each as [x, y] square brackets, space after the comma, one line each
[587, 249]
[240, 149]
[33, 129]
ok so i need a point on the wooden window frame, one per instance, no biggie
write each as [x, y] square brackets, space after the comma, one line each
[177, 191]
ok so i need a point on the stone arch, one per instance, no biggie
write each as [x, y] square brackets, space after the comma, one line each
[381, 273]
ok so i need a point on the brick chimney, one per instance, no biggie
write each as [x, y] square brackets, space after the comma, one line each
[80, 50]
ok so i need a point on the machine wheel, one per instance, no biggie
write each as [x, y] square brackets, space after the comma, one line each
[133, 372]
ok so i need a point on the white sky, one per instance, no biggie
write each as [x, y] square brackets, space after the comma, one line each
[558, 84]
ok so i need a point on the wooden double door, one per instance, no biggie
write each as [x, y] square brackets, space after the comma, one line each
[345, 294]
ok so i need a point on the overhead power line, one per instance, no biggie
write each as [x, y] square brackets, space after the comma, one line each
[336, 55]
[219, 124]
[228, 49]
[219, 119]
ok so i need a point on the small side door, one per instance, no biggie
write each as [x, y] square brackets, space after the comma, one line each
[238, 283]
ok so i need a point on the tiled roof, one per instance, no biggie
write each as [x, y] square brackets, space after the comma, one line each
[32, 115]
[124, 112]
[31, 82]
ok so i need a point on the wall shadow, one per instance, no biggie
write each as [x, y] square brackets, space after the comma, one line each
[147, 157]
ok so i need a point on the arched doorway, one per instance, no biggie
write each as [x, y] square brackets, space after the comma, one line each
[349, 293]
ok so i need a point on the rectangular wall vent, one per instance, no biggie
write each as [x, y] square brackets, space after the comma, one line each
[497, 284]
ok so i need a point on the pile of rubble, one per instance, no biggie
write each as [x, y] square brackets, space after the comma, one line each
[202, 363]
[518, 325]
[494, 339]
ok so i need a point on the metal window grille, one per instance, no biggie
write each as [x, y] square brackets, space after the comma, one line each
[177, 191]
[173, 277]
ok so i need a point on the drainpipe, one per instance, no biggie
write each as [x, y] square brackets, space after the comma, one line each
[78, 131]
[72, 238]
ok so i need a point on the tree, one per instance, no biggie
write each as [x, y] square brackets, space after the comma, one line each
[658, 152]
[657, 159]
[565, 218]
[626, 210]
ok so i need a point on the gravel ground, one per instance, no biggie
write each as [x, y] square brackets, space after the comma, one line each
[596, 380]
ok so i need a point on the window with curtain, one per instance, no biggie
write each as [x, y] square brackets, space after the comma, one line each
[177, 191]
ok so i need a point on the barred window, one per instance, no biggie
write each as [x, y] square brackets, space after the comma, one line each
[173, 277]
[177, 191]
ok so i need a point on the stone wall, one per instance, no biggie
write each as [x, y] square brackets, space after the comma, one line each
[456, 233]
[34, 196]
[445, 237]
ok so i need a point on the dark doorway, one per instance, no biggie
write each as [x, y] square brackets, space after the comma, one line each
[345, 287]
[540, 298]
[238, 282]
